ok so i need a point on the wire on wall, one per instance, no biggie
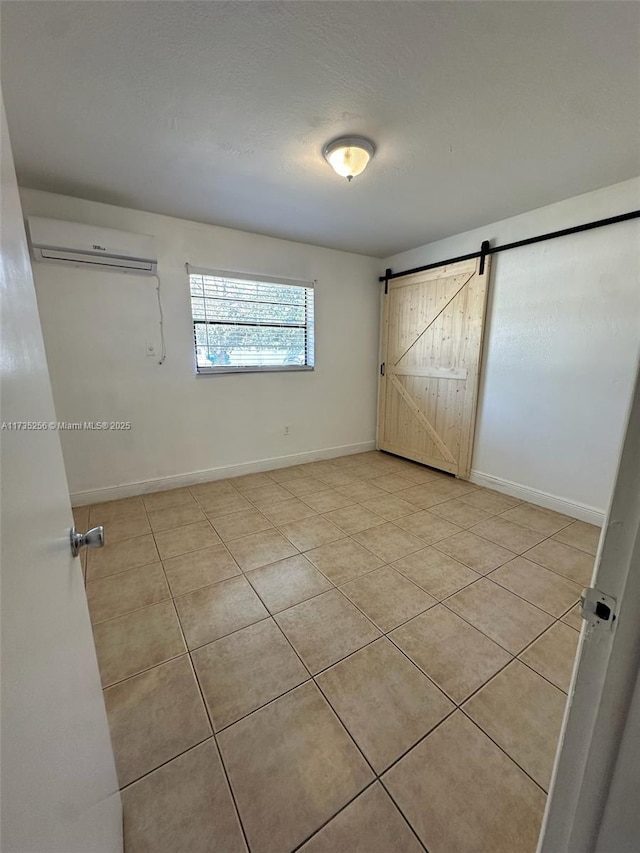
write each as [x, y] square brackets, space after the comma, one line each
[163, 349]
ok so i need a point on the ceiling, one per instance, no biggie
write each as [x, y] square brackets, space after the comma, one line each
[217, 111]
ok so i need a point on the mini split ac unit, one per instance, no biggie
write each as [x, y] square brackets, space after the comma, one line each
[92, 247]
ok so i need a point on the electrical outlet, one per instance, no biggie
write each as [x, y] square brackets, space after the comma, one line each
[150, 350]
[286, 429]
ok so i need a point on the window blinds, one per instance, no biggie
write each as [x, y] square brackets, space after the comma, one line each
[243, 323]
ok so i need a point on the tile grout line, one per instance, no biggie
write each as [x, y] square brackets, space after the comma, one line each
[142, 671]
[186, 654]
[164, 763]
[422, 737]
[312, 679]
[397, 805]
[204, 586]
[383, 633]
[340, 660]
[243, 573]
[484, 633]
[312, 676]
[503, 751]
[279, 627]
[432, 680]
[506, 589]
[340, 810]
[129, 612]
[512, 656]
[213, 736]
[517, 654]
[427, 544]
[387, 520]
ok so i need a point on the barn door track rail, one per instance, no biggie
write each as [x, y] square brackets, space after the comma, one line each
[487, 249]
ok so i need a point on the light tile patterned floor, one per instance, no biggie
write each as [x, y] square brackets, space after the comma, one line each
[359, 654]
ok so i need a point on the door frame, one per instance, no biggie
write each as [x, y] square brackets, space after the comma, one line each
[475, 265]
[605, 672]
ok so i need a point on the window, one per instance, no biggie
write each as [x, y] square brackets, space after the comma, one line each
[245, 323]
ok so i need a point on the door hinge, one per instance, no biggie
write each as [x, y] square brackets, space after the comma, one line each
[382, 369]
[598, 609]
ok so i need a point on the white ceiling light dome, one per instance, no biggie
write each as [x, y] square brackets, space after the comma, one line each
[349, 156]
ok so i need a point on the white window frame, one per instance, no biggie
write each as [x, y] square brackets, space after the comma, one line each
[262, 279]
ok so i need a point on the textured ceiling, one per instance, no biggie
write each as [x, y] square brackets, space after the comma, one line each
[217, 111]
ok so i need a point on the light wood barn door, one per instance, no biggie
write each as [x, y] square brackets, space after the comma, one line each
[431, 349]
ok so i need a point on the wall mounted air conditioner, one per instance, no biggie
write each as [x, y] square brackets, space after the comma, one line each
[92, 247]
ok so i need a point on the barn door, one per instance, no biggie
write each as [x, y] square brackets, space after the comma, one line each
[431, 348]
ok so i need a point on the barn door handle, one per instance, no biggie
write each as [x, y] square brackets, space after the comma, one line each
[93, 538]
[382, 369]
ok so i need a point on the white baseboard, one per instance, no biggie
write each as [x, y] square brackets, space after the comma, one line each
[535, 496]
[127, 490]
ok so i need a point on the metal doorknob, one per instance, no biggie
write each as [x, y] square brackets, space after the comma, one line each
[93, 538]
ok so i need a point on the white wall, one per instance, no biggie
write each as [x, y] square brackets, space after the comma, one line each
[561, 346]
[96, 326]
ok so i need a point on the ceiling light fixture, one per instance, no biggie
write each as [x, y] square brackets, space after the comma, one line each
[349, 156]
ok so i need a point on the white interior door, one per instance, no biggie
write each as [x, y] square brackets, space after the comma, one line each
[59, 788]
[593, 799]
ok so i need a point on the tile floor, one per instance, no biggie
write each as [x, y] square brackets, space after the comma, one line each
[359, 654]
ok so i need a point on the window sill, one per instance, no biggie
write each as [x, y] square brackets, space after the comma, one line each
[222, 371]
